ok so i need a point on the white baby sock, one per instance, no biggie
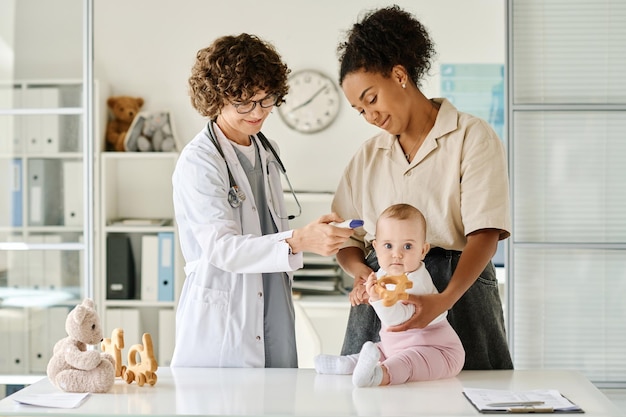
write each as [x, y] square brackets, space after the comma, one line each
[368, 372]
[335, 365]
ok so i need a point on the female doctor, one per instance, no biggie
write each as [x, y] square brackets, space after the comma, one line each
[236, 308]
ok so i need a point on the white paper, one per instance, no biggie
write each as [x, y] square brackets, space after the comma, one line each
[55, 400]
[553, 399]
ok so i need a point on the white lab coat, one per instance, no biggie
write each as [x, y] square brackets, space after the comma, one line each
[219, 320]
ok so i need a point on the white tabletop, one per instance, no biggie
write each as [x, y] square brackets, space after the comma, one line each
[301, 392]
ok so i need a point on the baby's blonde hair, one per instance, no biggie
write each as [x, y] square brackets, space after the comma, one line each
[404, 212]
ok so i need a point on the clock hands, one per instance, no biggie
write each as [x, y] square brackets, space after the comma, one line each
[318, 92]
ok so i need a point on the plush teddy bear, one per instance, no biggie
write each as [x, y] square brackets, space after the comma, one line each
[74, 368]
[123, 111]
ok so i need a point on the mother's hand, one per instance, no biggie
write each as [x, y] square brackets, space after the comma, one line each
[427, 308]
[358, 295]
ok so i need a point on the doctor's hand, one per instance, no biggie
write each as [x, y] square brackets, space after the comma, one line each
[320, 237]
[427, 308]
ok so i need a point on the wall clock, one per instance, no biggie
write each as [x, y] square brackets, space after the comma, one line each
[312, 103]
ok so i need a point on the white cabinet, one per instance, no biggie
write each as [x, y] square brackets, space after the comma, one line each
[320, 326]
[42, 219]
[140, 268]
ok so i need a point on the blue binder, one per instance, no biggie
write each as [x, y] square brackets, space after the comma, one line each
[166, 266]
[17, 185]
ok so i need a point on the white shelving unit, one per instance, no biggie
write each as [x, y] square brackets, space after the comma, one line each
[42, 219]
[136, 210]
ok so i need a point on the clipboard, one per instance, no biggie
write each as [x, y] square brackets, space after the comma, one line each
[487, 401]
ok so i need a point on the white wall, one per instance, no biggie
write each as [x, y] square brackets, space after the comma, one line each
[147, 47]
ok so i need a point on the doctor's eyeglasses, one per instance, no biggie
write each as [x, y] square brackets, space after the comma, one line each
[248, 106]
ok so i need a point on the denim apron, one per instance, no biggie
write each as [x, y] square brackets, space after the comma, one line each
[477, 316]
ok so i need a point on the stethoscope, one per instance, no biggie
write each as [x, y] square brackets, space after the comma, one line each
[236, 196]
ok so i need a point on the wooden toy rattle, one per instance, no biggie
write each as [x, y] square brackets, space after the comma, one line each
[145, 370]
[398, 284]
[114, 346]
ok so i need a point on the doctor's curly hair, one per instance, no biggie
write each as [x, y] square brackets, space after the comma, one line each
[234, 68]
[385, 38]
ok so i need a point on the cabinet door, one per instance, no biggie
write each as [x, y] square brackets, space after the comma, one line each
[45, 233]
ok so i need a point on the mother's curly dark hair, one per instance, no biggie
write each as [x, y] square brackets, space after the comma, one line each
[383, 39]
[235, 68]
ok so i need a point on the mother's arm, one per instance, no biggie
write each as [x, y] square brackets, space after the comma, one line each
[352, 261]
[480, 248]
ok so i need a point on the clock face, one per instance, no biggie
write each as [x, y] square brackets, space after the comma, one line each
[312, 103]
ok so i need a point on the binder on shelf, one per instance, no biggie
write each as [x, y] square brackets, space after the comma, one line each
[13, 327]
[166, 266]
[6, 122]
[17, 272]
[72, 193]
[126, 319]
[50, 136]
[41, 132]
[47, 326]
[32, 125]
[44, 193]
[35, 268]
[120, 268]
[16, 193]
[167, 329]
[149, 267]
[53, 265]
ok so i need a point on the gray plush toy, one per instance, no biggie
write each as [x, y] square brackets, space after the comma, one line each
[156, 134]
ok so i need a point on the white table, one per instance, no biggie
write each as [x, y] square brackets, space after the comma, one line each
[301, 392]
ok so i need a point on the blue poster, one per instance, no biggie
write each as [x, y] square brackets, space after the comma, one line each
[477, 89]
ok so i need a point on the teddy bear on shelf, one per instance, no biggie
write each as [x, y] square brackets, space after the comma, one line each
[74, 368]
[123, 110]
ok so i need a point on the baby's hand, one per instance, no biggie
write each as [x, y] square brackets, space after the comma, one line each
[370, 287]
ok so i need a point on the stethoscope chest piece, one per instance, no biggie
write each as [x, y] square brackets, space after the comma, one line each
[235, 196]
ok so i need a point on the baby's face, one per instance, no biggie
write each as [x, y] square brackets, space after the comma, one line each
[400, 245]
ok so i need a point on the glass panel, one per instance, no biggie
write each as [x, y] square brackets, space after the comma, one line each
[47, 44]
[569, 51]
[41, 177]
[569, 311]
[569, 171]
[47, 262]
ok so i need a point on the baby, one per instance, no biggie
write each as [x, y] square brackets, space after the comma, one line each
[433, 352]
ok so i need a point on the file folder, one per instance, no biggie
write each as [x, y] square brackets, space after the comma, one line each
[120, 268]
[15, 331]
[166, 266]
[44, 192]
[47, 326]
[16, 193]
[167, 331]
[17, 276]
[73, 193]
[126, 319]
[41, 132]
[149, 267]
[6, 122]
[32, 125]
[50, 136]
[53, 265]
[35, 268]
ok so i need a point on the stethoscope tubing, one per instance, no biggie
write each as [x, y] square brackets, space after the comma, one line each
[235, 195]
